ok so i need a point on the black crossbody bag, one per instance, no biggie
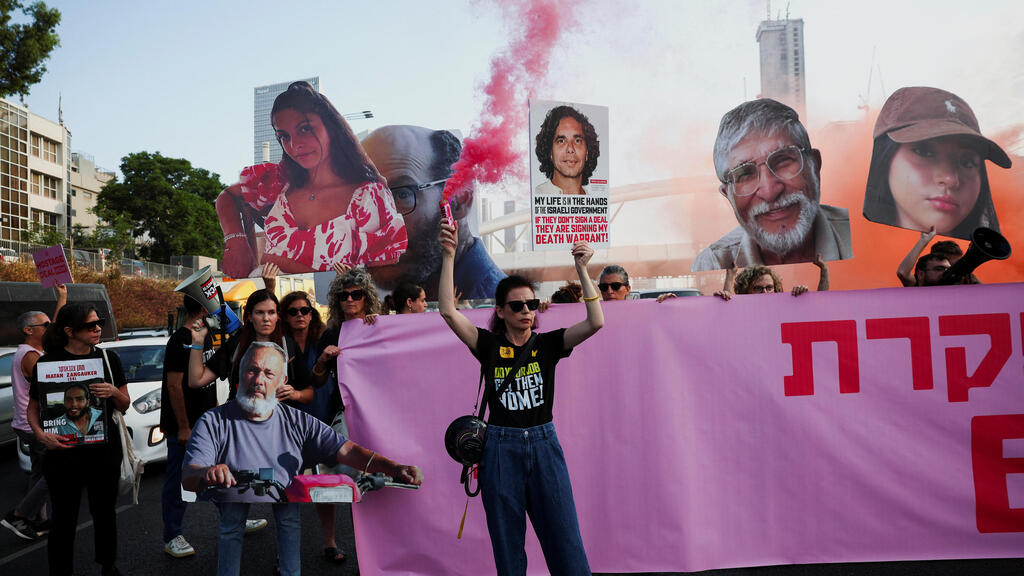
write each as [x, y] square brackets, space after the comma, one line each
[466, 435]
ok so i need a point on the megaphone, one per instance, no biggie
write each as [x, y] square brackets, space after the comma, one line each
[202, 288]
[986, 244]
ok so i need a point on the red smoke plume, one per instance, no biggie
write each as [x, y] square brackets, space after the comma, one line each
[489, 153]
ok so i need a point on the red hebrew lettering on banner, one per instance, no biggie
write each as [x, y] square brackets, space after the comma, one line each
[996, 326]
[991, 469]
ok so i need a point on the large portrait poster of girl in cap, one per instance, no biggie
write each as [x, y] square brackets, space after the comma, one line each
[928, 165]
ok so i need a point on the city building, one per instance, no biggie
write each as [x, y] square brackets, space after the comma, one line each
[35, 173]
[86, 181]
[264, 144]
[782, 62]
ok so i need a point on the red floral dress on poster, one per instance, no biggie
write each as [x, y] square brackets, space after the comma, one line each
[370, 232]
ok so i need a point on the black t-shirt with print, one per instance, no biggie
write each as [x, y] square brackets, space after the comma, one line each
[197, 400]
[113, 373]
[529, 398]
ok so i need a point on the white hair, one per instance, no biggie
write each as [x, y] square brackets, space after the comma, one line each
[249, 404]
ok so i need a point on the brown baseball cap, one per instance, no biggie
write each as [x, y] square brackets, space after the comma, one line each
[919, 113]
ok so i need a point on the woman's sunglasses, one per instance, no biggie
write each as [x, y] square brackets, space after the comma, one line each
[92, 325]
[355, 295]
[304, 310]
[517, 305]
[615, 286]
[44, 325]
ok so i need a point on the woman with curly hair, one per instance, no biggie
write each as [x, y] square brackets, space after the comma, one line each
[325, 203]
[352, 296]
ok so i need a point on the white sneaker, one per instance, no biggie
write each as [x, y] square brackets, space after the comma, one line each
[255, 525]
[179, 547]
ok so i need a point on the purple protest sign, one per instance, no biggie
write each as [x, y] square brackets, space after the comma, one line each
[52, 266]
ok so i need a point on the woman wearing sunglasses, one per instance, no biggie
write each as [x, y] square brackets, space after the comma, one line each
[523, 469]
[260, 324]
[302, 323]
[352, 296]
[73, 336]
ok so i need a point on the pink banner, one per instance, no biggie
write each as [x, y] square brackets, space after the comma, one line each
[852, 426]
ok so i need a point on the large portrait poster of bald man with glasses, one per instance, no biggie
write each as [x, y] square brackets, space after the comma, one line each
[568, 174]
[771, 176]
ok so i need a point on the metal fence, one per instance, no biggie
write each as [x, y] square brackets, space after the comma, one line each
[99, 261]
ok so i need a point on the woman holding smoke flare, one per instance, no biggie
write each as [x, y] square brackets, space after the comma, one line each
[324, 204]
[523, 469]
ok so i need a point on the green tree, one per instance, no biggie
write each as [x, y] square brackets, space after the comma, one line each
[42, 235]
[167, 203]
[25, 47]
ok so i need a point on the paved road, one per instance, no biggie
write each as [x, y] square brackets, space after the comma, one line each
[141, 551]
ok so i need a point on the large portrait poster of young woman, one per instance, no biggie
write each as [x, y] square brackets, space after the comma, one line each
[323, 204]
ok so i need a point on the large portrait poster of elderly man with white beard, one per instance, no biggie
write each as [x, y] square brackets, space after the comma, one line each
[771, 176]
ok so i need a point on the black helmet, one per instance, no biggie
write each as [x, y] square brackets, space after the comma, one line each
[464, 440]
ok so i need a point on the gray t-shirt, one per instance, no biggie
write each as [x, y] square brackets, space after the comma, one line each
[223, 435]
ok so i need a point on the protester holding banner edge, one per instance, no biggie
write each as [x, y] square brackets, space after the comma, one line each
[74, 336]
[523, 469]
[302, 323]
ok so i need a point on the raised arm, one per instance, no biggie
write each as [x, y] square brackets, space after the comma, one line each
[62, 297]
[906, 268]
[823, 274]
[577, 333]
[238, 256]
[458, 322]
[199, 375]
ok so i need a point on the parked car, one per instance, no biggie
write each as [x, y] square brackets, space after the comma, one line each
[8, 255]
[143, 363]
[7, 435]
[142, 333]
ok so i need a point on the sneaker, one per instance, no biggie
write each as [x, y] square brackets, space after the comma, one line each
[179, 547]
[21, 527]
[41, 527]
[255, 525]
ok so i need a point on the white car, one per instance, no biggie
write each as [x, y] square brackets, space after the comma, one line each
[143, 362]
[6, 395]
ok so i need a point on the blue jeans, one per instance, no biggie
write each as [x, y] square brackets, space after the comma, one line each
[171, 502]
[523, 472]
[232, 529]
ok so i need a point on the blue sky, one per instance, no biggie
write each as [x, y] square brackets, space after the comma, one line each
[178, 77]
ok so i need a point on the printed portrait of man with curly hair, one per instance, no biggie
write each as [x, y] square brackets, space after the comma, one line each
[567, 149]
